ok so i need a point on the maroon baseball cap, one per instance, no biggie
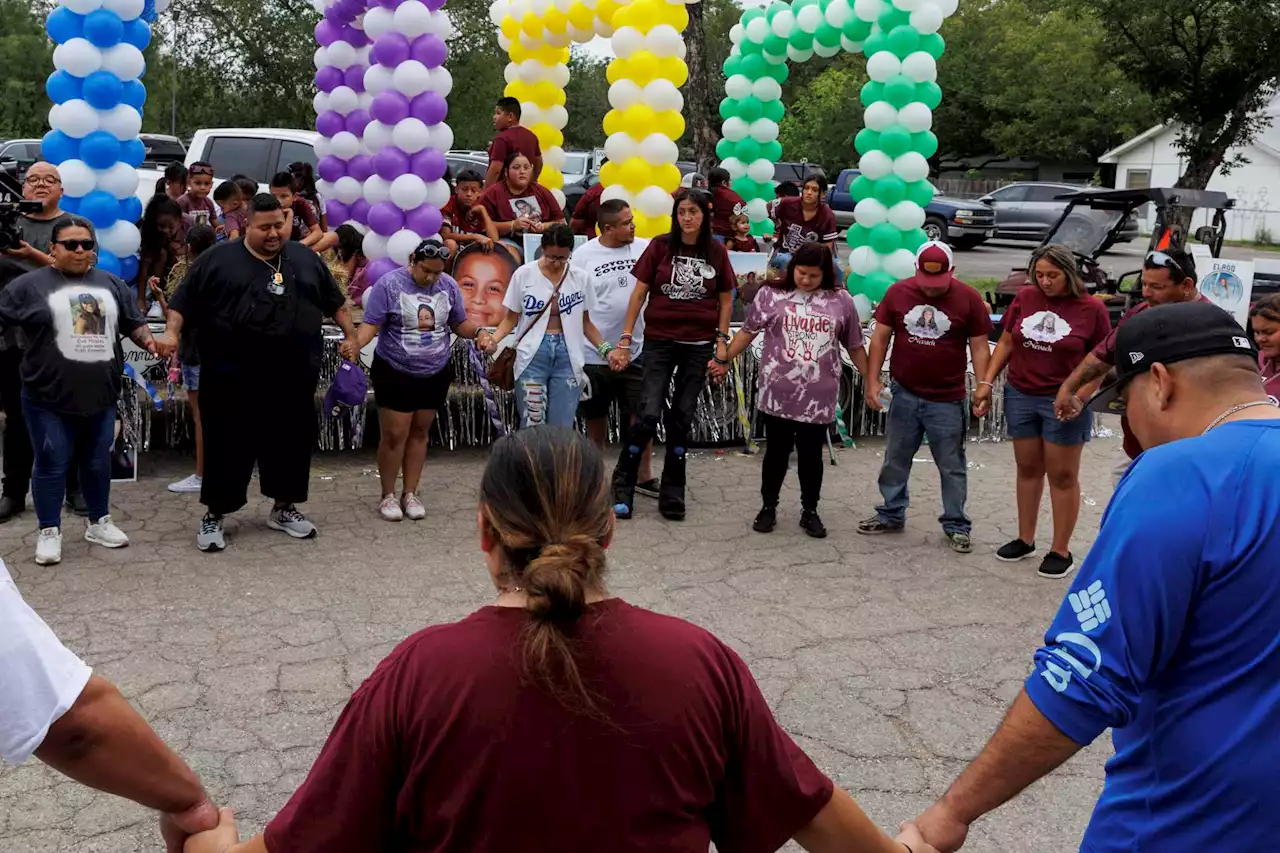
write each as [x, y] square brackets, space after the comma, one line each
[935, 264]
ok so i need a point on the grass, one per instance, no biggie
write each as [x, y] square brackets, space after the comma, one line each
[983, 285]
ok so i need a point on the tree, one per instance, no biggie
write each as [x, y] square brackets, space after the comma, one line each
[820, 122]
[27, 59]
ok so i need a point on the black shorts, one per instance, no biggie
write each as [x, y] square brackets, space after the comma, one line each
[608, 385]
[403, 392]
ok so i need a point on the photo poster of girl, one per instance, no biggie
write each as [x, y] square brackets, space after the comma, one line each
[750, 268]
[483, 278]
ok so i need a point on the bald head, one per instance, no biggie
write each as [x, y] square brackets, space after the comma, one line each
[43, 184]
[1179, 400]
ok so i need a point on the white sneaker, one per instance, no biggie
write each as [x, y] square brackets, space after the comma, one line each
[389, 509]
[105, 533]
[49, 547]
[210, 536]
[292, 522]
[188, 486]
[413, 507]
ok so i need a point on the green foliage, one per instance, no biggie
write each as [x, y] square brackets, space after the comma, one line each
[26, 59]
[822, 117]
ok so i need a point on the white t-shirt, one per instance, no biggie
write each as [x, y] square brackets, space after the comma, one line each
[40, 679]
[528, 293]
[610, 271]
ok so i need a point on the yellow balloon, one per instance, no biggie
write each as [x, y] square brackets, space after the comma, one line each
[609, 172]
[642, 67]
[618, 70]
[652, 226]
[546, 94]
[645, 15]
[670, 124]
[605, 10]
[677, 16]
[549, 55]
[581, 16]
[623, 17]
[510, 27]
[517, 89]
[673, 68]
[638, 120]
[635, 174]
[531, 24]
[548, 136]
[612, 124]
[555, 20]
[551, 178]
[518, 52]
[667, 177]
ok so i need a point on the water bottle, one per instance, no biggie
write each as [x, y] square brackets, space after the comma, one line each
[885, 398]
[175, 375]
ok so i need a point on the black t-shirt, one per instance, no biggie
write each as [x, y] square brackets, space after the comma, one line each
[72, 326]
[247, 323]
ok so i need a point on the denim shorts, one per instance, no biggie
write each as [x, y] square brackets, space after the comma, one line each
[191, 377]
[1028, 416]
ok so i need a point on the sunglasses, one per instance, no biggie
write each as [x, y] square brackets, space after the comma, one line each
[200, 170]
[76, 245]
[429, 251]
[1160, 260]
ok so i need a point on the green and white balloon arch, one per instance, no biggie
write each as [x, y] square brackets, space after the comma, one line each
[903, 46]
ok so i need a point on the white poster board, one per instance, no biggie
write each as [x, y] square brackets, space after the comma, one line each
[1229, 285]
[533, 245]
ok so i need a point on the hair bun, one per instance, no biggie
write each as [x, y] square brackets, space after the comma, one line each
[555, 580]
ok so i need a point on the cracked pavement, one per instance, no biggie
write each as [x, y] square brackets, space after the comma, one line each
[889, 659]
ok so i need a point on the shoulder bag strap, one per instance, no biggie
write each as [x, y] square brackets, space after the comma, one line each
[555, 293]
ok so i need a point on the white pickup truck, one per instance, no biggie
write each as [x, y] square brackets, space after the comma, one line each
[257, 152]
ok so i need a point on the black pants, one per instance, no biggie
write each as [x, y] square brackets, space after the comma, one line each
[781, 435]
[246, 420]
[19, 456]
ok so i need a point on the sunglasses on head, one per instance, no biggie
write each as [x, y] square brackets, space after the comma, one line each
[200, 170]
[428, 251]
[1161, 260]
[73, 245]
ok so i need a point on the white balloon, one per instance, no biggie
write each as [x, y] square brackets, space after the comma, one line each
[441, 136]
[83, 7]
[661, 94]
[916, 117]
[345, 144]
[757, 210]
[653, 201]
[821, 49]
[121, 239]
[883, 65]
[559, 75]
[410, 135]
[376, 189]
[411, 77]
[766, 88]
[760, 170]
[735, 129]
[579, 35]
[880, 116]
[558, 195]
[664, 40]
[441, 25]
[441, 81]
[783, 23]
[736, 33]
[920, 67]
[838, 13]
[658, 150]
[876, 165]
[810, 18]
[529, 71]
[127, 10]
[625, 93]
[911, 167]
[77, 57]
[530, 113]
[412, 19]
[540, 7]
[764, 130]
[738, 86]
[74, 118]
[554, 157]
[556, 116]
[438, 193]
[374, 245]
[322, 148]
[344, 100]
[401, 244]
[758, 30]
[320, 103]
[347, 189]
[861, 304]
[870, 212]
[735, 167]
[557, 39]
[902, 263]
[497, 11]
[124, 60]
[797, 55]
[869, 10]
[617, 191]
[364, 101]
[907, 5]
[342, 55]
[161, 5]
[864, 261]
[851, 46]
[321, 57]
[377, 135]
[626, 41]
[774, 60]
[602, 29]
[620, 146]
[378, 21]
[325, 188]
[377, 78]
[927, 19]
[121, 180]
[121, 121]
[906, 215]
[78, 179]
[408, 191]
[947, 7]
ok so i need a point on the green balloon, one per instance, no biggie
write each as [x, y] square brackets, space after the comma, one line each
[753, 66]
[904, 40]
[862, 189]
[749, 108]
[733, 65]
[724, 149]
[929, 93]
[744, 186]
[853, 283]
[858, 235]
[750, 15]
[778, 71]
[827, 36]
[921, 192]
[800, 4]
[866, 140]
[774, 110]
[875, 43]
[762, 228]
[885, 239]
[894, 18]
[746, 150]
[774, 9]
[933, 44]
[924, 143]
[728, 108]
[775, 45]
[900, 90]
[856, 29]
[895, 141]
[890, 190]
[771, 151]
[873, 93]
[876, 285]
[914, 239]
[801, 40]
[750, 49]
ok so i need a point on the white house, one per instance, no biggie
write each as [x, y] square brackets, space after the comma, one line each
[1151, 160]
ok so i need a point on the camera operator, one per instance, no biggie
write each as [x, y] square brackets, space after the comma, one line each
[42, 184]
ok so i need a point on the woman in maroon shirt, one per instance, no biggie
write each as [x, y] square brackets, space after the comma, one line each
[516, 204]
[559, 719]
[1048, 330]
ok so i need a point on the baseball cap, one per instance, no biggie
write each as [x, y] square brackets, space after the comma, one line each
[349, 387]
[1168, 334]
[935, 264]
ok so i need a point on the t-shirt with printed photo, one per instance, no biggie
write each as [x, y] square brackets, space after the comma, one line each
[535, 203]
[931, 337]
[800, 363]
[794, 230]
[1051, 337]
[415, 323]
[684, 290]
[610, 273]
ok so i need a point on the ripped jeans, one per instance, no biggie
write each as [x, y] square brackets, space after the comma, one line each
[547, 391]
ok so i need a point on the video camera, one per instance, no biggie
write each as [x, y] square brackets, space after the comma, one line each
[10, 233]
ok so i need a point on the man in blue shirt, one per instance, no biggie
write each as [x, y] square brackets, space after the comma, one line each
[1170, 634]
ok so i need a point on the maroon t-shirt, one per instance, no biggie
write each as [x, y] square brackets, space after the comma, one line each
[536, 202]
[472, 222]
[725, 204]
[684, 301]
[794, 230]
[447, 746]
[516, 138]
[931, 337]
[1051, 337]
[588, 210]
[190, 204]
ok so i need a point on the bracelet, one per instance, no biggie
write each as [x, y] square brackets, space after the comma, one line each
[627, 347]
[625, 336]
[988, 384]
[908, 846]
[604, 349]
[718, 360]
[723, 336]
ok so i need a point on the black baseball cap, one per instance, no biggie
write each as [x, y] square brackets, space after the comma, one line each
[1168, 334]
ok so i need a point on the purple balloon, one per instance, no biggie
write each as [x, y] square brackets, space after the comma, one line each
[331, 168]
[435, 5]
[327, 32]
[390, 107]
[359, 211]
[357, 121]
[390, 50]
[334, 15]
[377, 269]
[429, 107]
[428, 164]
[353, 78]
[328, 78]
[423, 221]
[429, 50]
[355, 37]
[330, 123]
[338, 213]
[385, 218]
[360, 167]
[390, 163]
[389, 4]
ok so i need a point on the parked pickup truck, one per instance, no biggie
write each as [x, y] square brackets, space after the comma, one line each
[960, 222]
[257, 152]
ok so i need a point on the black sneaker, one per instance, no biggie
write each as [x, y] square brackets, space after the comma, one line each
[1055, 566]
[766, 520]
[9, 507]
[649, 488]
[1015, 551]
[810, 523]
[76, 503]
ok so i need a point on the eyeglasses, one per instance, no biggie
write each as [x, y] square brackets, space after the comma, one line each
[76, 245]
[200, 170]
[1160, 260]
[46, 181]
[557, 259]
[428, 250]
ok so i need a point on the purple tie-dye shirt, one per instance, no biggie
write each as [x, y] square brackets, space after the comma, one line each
[800, 365]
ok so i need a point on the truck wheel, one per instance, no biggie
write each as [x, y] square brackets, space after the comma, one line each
[935, 228]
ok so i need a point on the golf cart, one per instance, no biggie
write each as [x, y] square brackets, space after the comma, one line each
[1092, 224]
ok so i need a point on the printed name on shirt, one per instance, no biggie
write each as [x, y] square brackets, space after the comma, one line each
[532, 305]
[807, 335]
[925, 324]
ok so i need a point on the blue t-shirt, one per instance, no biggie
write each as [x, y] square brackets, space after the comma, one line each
[415, 323]
[1171, 635]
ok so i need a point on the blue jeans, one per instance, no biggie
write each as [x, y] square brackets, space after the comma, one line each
[61, 440]
[911, 418]
[547, 391]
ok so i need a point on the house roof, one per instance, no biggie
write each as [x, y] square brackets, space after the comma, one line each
[1119, 151]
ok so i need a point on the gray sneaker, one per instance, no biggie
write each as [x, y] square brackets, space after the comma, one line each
[210, 536]
[960, 542]
[291, 521]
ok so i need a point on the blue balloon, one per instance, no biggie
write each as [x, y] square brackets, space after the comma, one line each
[57, 147]
[70, 205]
[134, 94]
[131, 208]
[133, 152]
[107, 262]
[62, 87]
[103, 28]
[149, 11]
[100, 208]
[103, 90]
[129, 267]
[64, 25]
[100, 150]
[137, 33]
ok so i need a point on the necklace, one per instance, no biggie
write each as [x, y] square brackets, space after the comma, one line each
[1233, 410]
